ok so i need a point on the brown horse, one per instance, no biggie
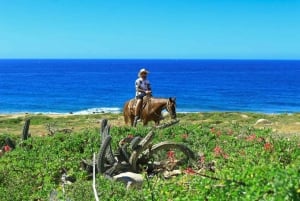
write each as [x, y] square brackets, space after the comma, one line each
[151, 109]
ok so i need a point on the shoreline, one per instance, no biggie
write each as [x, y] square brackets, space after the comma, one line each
[165, 113]
[121, 112]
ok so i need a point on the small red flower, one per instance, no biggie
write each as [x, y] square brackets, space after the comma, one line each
[189, 171]
[218, 151]
[171, 155]
[7, 148]
[130, 136]
[268, 146]
[212, 130]
[251, 137]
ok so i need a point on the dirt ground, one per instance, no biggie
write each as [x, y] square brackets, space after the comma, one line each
[284, 124]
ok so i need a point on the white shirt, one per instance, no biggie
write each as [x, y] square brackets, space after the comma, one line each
[141, 84]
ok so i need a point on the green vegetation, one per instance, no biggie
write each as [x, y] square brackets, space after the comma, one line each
[246, 161]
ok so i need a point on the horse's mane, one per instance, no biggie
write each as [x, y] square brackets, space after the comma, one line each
[155, 97]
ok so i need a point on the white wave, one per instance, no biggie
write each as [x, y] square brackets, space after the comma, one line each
[33, 113]
[99, 110]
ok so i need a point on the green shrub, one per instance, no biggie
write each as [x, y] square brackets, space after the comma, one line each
[248, 164]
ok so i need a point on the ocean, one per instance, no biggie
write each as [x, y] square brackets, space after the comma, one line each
[92, 86]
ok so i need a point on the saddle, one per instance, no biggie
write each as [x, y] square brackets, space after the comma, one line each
[146, 101]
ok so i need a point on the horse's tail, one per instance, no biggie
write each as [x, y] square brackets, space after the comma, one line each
[126, 112]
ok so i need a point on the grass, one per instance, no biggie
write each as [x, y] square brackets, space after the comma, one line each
[249, 161]
[284, 124]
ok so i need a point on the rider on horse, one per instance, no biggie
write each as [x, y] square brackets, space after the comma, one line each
[142, 88]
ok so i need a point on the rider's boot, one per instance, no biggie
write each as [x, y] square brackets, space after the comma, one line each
[136, 118]
[137, 111]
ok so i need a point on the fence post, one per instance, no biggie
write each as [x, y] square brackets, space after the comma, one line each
[25, 129]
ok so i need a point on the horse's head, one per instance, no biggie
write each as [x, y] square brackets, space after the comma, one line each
[171, 107]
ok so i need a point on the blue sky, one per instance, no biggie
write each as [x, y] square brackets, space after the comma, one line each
[191, 29]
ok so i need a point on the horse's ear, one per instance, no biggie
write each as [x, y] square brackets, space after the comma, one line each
[172, 99]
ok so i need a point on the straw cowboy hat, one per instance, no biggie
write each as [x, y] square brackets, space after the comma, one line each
[143, 70]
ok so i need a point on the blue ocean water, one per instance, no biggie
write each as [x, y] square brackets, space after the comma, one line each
[86, 86]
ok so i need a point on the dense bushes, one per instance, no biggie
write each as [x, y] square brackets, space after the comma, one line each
[248, 164]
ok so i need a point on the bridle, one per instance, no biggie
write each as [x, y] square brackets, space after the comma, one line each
[169, 108]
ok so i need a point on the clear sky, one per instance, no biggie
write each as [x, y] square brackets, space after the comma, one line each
[177, 29]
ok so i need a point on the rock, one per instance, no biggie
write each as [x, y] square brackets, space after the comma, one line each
[263, 121]
[244, 116]
[167, 174]
[130, 179]
[66, 179]
[53, 195]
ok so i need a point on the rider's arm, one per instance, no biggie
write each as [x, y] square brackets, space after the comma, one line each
[141, 90]
[148, 86]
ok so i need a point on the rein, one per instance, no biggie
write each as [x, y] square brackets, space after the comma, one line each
[168, 106]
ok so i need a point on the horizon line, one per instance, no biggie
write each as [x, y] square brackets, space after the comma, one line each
[204, 59]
